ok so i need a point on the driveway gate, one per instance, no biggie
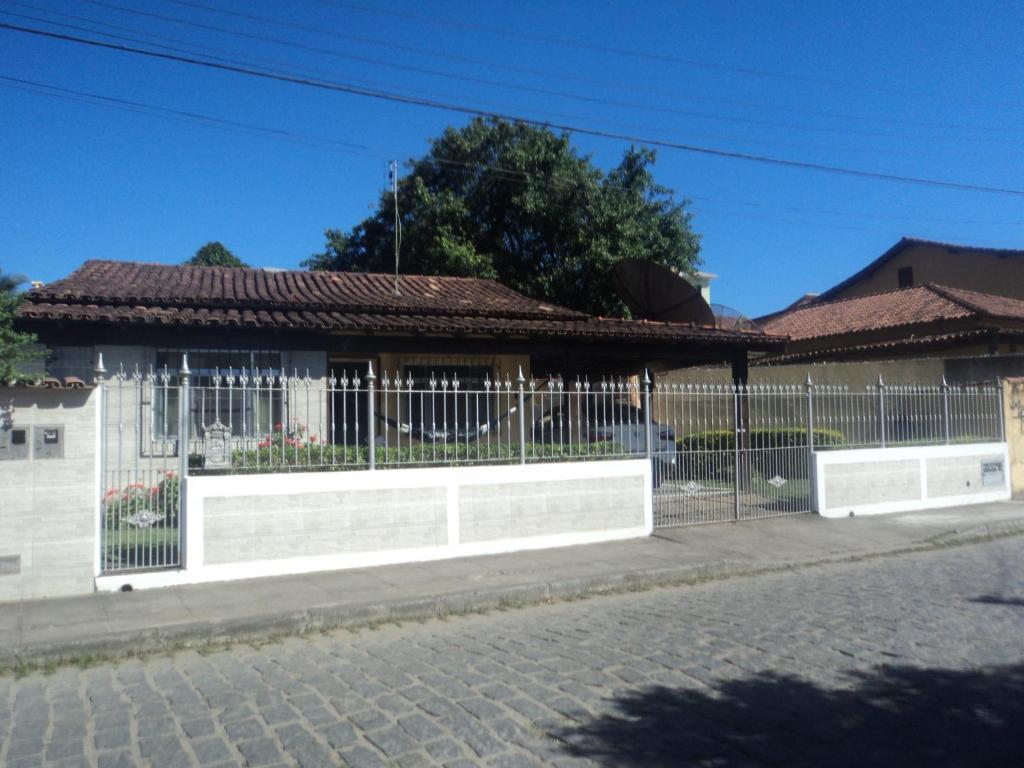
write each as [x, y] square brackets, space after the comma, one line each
[740, 453]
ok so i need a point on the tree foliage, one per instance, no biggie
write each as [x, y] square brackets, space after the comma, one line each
[16, 347]
[214, 254]
[517, 203]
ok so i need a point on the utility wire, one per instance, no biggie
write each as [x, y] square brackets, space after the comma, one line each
[217, 122]
[506, 175]
[570, 77]
[458, 108]
[292, 68]
[655, 56]
[518, 87]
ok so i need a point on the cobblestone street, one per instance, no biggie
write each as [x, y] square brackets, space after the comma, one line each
[917, 659]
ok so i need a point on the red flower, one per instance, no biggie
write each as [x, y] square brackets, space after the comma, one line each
[277, 427]
[312, 438]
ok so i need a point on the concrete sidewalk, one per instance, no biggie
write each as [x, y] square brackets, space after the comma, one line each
[131, 622]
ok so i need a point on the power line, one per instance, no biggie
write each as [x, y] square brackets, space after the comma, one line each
[518, 87]
[217, 122]
[655, 56]
[631, 87]
[547, 115]
[503, 174]
[451, 107]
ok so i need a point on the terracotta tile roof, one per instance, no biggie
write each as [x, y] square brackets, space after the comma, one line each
[913, 342]
[122, 283]
[906, 307]
[158, 295]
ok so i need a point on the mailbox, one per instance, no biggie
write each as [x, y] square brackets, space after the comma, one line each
[13, 443]
[48, 442]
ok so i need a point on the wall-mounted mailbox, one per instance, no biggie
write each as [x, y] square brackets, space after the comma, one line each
[992, 473]
[48, 442]
[13, 444]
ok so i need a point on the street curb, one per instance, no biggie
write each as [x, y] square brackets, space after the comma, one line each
[270, 626]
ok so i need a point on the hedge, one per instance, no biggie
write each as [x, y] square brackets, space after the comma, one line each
[315, 457]
[710, 454]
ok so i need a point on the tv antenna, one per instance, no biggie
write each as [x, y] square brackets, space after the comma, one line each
[393, 173]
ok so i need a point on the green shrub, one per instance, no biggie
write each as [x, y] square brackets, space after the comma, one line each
[710, 454]
[276, 456]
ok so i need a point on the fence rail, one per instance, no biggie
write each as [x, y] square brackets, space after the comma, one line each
[717, 452]
[256, 422]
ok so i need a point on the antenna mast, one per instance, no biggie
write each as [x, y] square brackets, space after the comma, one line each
[398, 222]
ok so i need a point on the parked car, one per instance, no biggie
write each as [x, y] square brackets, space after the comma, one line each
[618, 423]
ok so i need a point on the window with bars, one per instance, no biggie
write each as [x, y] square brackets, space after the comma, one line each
[248, 411]
[448, 409]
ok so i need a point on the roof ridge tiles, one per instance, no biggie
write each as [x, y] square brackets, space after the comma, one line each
[832, 302]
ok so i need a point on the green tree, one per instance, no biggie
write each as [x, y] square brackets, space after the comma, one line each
[16, 347]
[517, 203]
[215, 255]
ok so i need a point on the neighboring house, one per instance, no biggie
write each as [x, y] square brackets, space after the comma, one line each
[912, 261]
[921, 321]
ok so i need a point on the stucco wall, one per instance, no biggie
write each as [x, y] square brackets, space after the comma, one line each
[1013, 404]
[245, 526]
[855, 375]
[932, 264]
[48, 510]
[875, 481]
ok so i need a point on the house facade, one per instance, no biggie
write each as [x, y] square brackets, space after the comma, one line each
[913, 261]
[324, 332]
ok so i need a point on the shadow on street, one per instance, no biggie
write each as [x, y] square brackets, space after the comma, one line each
[999, 600]
[891, 716]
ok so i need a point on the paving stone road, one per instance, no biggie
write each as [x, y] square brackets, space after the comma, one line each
[911, 660]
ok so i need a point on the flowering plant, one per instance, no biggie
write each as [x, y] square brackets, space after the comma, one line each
[141, 502]
[294, 437]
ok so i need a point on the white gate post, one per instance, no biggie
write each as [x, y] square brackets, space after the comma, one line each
[521, 380]
[737, 431]
[184, 421]
[100, 469]
[945, 409]
[371, 415]
[881, 409]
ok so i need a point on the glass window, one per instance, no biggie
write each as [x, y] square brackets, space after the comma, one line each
[248, 411]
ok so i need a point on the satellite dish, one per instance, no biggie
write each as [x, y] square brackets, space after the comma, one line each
[655, 292]
[729, 319]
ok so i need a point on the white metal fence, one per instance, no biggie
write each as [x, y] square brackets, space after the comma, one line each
[718, 452]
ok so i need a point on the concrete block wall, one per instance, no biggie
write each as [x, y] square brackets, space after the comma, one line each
[245, 526]
[876, 481]
[48, 538]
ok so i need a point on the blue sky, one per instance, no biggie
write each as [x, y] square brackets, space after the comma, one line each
[923, 89]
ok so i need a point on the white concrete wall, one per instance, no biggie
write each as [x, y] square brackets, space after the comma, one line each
[48, 507]
[246, 526]
[876, 481]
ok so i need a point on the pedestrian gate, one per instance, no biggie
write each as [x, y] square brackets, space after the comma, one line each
[724, 453]
[142, 465]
